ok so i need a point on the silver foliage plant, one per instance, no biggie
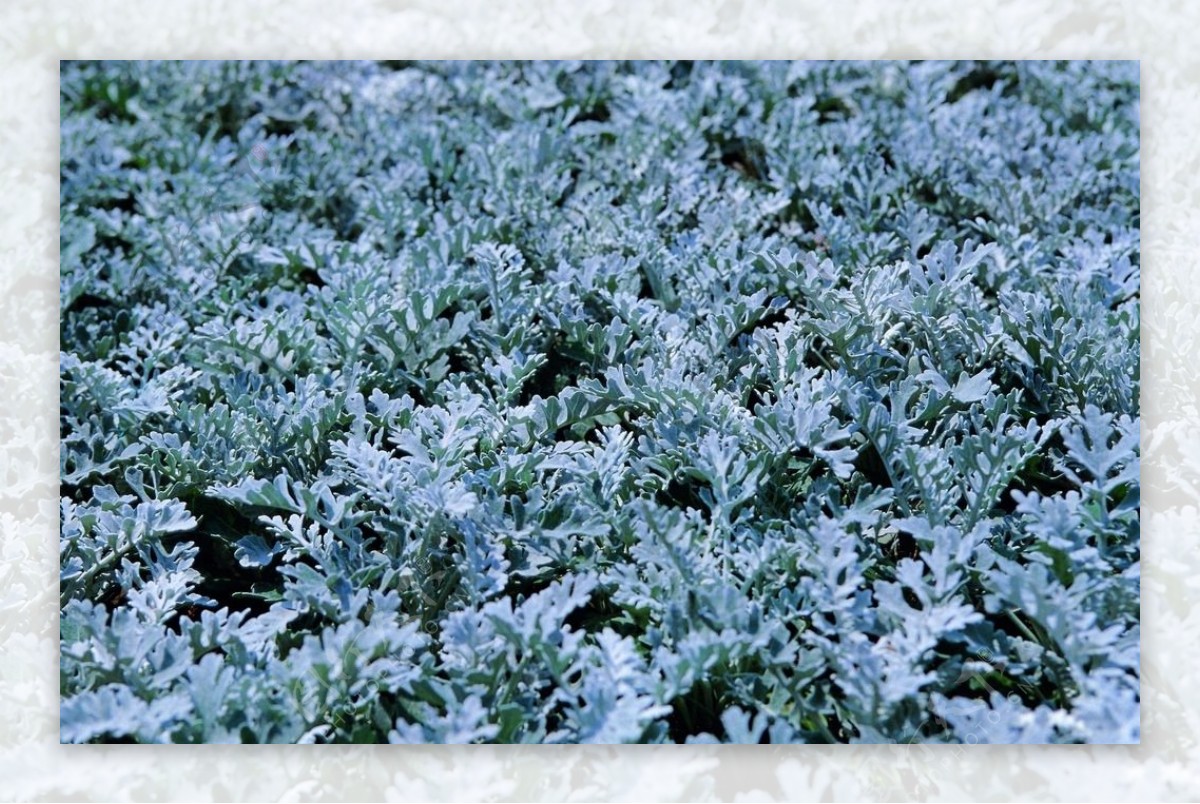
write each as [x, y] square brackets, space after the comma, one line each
[600, 402]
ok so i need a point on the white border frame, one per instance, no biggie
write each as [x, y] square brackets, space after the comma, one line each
[35, 35]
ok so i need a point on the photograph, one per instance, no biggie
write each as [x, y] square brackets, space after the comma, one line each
[618, 402]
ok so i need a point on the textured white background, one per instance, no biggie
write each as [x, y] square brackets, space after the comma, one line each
[34, 35]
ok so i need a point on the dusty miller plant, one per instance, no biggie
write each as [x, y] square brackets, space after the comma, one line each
[600, 402]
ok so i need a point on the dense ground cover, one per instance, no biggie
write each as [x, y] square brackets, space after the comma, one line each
[600, 402]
